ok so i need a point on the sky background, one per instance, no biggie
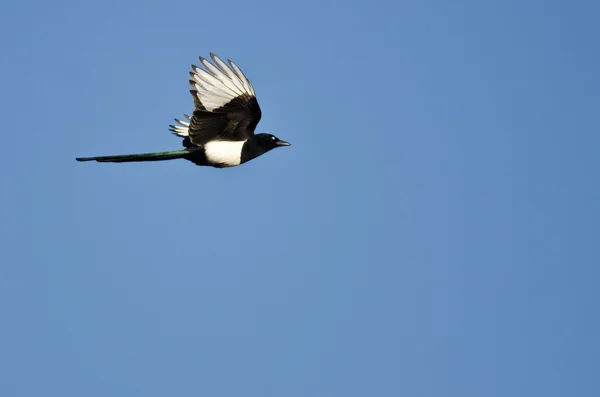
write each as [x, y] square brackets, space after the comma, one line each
[433, 230]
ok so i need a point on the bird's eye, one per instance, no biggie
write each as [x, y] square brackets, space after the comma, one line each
[273, 138]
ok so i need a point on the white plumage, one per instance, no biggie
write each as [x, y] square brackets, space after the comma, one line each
[226, 153]
[183, 127]
[219, 83]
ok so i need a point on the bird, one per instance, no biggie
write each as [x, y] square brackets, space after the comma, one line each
[220, 131]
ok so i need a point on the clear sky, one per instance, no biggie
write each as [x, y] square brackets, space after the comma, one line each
[433, 230]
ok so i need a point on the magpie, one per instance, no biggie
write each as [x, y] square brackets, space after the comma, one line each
[220, 132]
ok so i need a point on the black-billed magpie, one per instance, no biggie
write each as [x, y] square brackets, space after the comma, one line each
[220, 132]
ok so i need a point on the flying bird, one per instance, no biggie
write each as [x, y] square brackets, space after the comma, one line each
[220, 132]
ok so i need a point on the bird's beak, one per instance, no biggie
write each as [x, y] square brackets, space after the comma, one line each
[283, 143]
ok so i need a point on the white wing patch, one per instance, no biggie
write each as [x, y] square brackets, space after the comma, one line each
[226, 153]
[217, 84]
[182, 127]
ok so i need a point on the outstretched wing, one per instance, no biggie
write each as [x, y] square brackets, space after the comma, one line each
[182, 129]
[225, 104]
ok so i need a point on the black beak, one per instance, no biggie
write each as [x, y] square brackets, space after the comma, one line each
[283, 143]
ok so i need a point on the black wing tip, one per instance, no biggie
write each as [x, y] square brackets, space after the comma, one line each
[213, 56]
[84, 158]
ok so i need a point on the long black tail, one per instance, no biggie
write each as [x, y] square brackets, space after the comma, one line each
[177, 154]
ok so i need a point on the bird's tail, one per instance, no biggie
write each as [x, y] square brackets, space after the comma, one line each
[177, 154]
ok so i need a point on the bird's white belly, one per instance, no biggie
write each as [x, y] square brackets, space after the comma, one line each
[226, 153]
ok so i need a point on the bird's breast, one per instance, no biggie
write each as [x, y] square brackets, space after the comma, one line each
[224, 153]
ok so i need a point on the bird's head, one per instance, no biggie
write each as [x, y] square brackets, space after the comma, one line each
[268, 141]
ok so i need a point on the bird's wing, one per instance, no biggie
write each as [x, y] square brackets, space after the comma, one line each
[225, 104]
[182, 127]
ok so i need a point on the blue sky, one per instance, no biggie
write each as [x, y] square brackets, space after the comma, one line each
[433, 230]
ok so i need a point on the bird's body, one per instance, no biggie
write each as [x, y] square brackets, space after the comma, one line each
[220, 132]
